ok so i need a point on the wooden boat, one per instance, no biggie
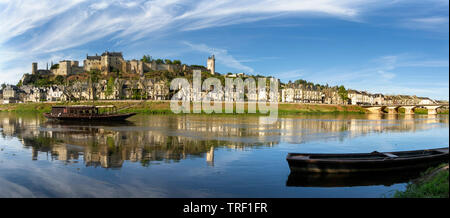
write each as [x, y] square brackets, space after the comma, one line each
[86, 113]
[366, 162]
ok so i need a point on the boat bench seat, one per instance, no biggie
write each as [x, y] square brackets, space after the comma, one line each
[390, 155]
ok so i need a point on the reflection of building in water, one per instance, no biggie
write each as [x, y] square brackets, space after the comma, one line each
[8, 127]
[173, 138]
[65, 152]
[293, 130]
[98, 159]
[431, 118]
[210, 156]
[374, 116]
[109, 148]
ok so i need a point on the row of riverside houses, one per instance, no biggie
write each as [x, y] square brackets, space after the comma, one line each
[309, 93]
[365, 98]
[15, 94]
[155, 89]
[151, 89]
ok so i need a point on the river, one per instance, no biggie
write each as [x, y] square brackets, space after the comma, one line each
[200, 155]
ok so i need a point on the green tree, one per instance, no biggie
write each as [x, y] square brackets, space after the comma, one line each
[94, 75]
[109, 86]
[146, 59]
[177, 62]
[343, 93]
[159, 61]
[167, 61]
[43, 82]
[136, 94]
[54, 66]
[301, 81]
[59, 80]
[116, 72]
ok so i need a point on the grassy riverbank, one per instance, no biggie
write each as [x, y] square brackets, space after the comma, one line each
[432, 184]
[163, 107]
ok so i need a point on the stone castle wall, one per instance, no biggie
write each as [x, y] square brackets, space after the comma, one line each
[107, 63]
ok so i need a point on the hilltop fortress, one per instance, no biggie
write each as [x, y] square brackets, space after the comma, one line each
[110, 62]
[110, 77]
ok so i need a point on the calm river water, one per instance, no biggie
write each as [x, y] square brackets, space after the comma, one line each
[200, 156]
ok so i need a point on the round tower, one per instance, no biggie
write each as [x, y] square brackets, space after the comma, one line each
[34, 67]
[211, 64]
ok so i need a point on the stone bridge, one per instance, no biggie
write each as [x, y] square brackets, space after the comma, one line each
[409, 109]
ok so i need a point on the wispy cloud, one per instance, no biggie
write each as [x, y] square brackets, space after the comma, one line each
[100, 5]
[35, 30]
[431, 20]
[426, 63]
[290, 75]
[382, 75]
[88, 21]
[376, 72]
[38, 30]
[434, 23]
[221, 55]
[20, 16]
[409, 60]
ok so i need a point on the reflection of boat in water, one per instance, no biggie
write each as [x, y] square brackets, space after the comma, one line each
[366, 162]
[350, 179]
[86, 113]
[89, 123]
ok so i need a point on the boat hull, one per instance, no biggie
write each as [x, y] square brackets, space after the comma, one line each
[369, 162]
[106, 117]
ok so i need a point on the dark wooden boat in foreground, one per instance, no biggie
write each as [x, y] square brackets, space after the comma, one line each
[86, 113]
[366, 162]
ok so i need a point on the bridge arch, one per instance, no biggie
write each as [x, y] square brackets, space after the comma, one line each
[432, 109]
[393, 109]
[409, 109]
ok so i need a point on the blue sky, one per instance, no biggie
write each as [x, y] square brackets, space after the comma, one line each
[390, 47]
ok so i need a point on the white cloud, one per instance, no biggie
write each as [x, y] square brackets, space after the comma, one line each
[100, 5]
[78, 22]
[20, 16]
[386, 75]
[426, 63]
[381, 75]
[434, 23]
[289, 75]
[431, 20]
[221, 55]
[30, 29]
[53, 26]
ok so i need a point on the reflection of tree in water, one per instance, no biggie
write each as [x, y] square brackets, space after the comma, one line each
[40, 144]
[156, 139]
[109, 149]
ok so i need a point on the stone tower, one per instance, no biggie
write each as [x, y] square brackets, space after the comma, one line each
[112, 61]
[34, 67]
[211, 64]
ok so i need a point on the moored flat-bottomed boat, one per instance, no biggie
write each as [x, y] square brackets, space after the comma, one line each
[366, 162]
[86, 113]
